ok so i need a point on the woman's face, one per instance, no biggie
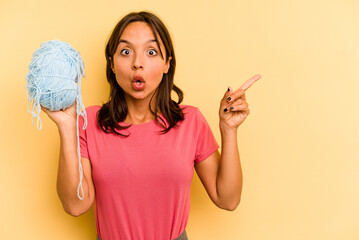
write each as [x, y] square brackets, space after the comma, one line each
[137, 62]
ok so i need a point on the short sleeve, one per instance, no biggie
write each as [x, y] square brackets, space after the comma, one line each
[83, 139]
[206, 144]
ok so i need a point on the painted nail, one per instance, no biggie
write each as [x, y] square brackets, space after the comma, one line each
[229, 99]
[231, 108]
[228, 89]
[225, 110]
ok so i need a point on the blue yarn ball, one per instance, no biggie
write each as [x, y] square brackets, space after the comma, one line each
[54, 81]
[54, 72]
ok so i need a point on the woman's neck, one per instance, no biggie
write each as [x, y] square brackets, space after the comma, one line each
[139, 112]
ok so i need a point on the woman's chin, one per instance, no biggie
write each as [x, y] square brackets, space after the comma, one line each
[138, 96]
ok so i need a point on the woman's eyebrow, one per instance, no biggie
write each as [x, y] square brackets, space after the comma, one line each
[124, 41]
[128, 42]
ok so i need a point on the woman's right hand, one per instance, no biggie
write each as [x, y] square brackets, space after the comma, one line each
[62, 117]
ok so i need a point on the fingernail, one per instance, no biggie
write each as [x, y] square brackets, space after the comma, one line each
[229, 99]
[231, 108]
[228, 89]
[226, 110]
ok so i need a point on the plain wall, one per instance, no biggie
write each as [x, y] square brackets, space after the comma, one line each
[298, 147]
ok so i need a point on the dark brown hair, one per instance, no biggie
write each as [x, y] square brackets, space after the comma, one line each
[115, 110]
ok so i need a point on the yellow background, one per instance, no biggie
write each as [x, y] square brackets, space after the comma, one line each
[298, 147]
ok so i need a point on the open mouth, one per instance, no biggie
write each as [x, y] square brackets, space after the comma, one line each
[138, 83]
[138, 79]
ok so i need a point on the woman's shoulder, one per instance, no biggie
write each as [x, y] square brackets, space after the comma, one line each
[90, 116]
[188, 109]
[92, 108]
[91, 111]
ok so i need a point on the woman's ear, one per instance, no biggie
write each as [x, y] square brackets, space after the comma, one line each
[167, 66]
[113, 69]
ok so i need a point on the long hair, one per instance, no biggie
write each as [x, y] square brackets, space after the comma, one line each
[115, 110]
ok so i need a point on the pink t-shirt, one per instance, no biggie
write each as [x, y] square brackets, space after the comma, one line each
[143, 182]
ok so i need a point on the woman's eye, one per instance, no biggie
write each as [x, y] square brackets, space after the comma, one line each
[152, 52]
[125, 52]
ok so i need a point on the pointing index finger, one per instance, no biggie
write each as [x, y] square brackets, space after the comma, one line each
[250, 82]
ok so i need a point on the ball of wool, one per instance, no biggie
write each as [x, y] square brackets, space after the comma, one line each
[54, 81]
[54, 72]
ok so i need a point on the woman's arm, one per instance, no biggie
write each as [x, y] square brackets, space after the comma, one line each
[221, 175]
[68, 172]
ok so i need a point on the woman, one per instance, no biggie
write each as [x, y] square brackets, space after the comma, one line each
[139, 148]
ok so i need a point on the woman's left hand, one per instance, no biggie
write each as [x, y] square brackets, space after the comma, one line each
[234, 107]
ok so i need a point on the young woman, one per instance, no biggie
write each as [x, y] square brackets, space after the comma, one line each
[140, 148]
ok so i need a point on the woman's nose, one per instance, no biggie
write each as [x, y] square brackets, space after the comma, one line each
[137, 62]
[135, 66]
